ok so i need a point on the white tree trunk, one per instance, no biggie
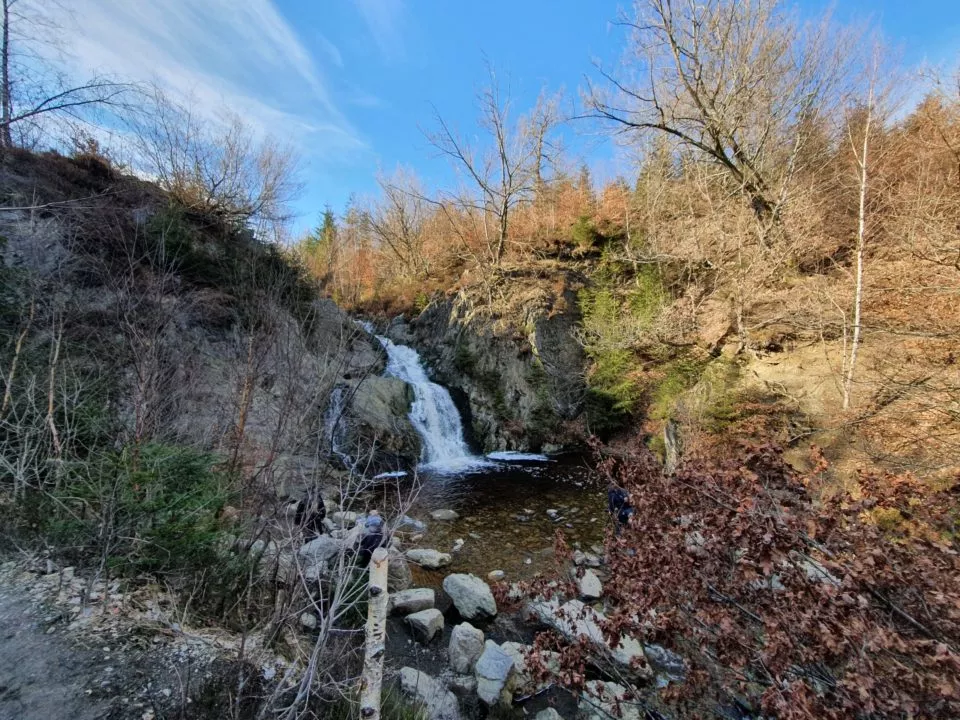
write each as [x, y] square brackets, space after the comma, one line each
[376, 629]
[861, 232]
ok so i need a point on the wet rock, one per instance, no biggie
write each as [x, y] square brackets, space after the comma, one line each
[439, 703]
[493, 671]
[444, 515]
[496, 575]
[470, 595]
[590, 586]
[399, 576]
[411, 601]
[429, 558]
[607, 701]
[408, 523]
[425, 624]
[466, 646]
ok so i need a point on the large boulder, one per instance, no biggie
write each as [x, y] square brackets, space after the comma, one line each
[590, 586]
[379, 426]
[439, 703]
[471, 596]
[466, 646]
[411, 601]
[425, 624]
[429, 558]
[317, 555]
[493, 671]
[577, 621]
[522, 682]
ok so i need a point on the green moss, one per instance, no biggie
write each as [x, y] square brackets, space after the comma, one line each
[678, 377]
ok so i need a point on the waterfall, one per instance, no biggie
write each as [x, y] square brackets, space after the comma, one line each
[436, 418]
[334, 427]
[432, 413]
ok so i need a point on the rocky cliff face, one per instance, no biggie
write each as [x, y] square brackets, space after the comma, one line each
[522, 379]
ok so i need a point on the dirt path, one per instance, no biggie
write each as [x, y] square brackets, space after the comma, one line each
[41, 676]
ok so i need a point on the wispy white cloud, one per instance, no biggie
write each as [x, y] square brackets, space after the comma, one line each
[241, 56]
[331, 50]
[384, 19]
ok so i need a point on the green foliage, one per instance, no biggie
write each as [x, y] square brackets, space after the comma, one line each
[678, 376]
[584, 233]
[249, 271]
[149, 510]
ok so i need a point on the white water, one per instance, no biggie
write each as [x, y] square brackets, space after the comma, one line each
[432, 413]
[435, 417]
[335, 429]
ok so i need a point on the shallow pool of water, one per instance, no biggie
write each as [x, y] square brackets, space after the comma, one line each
[504, 521]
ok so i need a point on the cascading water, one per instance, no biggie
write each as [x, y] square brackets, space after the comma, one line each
[335, 428]
[436, 418]
[432, 413]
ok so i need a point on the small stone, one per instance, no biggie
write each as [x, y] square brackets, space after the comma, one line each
[553, 512]
[496, 575]
[308, 621]
[528, 561]
[345, 518]
[444, 515]
[429, 558]
[411, 601]
[458, 545]
[426, 624]
[590, 586]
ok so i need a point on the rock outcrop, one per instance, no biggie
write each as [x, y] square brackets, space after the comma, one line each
[527, 373]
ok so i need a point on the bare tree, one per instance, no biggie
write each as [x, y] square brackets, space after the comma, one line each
[31, 87]
[217, 166]
[398, 220]
[508, 169]
[738, 81]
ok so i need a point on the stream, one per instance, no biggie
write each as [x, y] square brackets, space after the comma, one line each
[510, 504]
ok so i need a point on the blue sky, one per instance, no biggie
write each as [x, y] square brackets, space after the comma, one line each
[352, 83]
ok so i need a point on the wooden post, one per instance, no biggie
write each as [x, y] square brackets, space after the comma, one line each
[376, 630]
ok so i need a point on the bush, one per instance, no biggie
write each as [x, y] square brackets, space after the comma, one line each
[159, 505]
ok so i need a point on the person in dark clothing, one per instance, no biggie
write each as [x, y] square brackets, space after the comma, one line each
[310, 514]
[618, 505]
[372, 537]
